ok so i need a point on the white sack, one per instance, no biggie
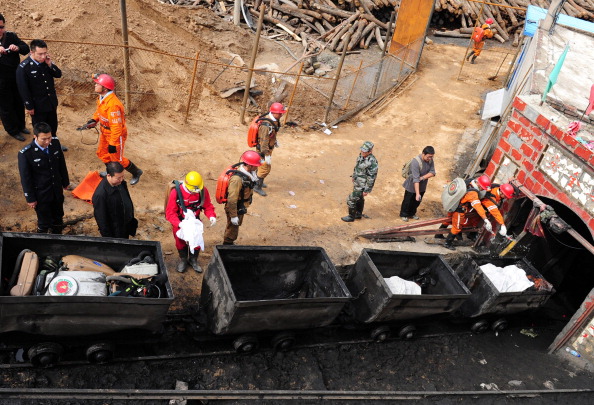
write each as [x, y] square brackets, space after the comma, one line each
[401, 286]
[190, 230]
[507, 279]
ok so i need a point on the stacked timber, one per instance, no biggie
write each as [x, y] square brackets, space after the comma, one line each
[327, 24]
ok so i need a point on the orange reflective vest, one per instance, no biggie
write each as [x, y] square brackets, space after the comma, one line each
[111, 119]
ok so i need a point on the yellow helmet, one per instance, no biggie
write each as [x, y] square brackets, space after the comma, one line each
[193, 182]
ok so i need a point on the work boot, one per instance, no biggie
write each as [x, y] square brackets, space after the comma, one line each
[449, 240]
[193, 261]
[351, 217]
[258, 187]
[135, 172]
[228, 243]
[469, 55]
[439, 235]
[57, 229]
[183, 260]
[473, 59]
[18, 137]
[263, 185]
[359, 210]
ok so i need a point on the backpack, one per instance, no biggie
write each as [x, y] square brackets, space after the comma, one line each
[452, 194]
[478, 34]
[406, 168]
[252, 137]
[180, 198]
[223, 182]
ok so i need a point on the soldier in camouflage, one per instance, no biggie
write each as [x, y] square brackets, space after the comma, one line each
[363, 176]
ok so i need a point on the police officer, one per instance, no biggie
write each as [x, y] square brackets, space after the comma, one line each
[11, 105]
[364, 176]
[35, 80]
[43, 176]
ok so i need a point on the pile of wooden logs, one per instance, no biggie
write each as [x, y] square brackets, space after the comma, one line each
[328, 23]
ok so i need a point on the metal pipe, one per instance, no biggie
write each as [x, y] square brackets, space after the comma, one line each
[126, 56]
[338, 70]
[248, 82]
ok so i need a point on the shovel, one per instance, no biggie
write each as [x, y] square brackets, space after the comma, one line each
[512, 243]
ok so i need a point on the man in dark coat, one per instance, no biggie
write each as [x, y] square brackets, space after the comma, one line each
[12, 112]
[113, 208]
[35, 80]
[44, 176]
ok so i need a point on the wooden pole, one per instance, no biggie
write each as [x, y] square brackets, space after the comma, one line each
[338, 70]
[248, 82]
[192, 86]
[126, 56]
[293, 93]
[476, 24]
[353, 86]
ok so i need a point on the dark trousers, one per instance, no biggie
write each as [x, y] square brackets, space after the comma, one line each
[12, 111]
[50, 215]
[410, 204]
[49, 117]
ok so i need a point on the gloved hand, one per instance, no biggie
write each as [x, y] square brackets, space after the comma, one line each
[503, 230]
[91, 123]
[213, 221]
[111, 149]
[488, 225]
[235, 221]
[268, 159]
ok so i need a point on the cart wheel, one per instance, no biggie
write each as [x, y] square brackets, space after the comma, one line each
[407, 332]
[246, 344]
[480, 326]
[499, 325]
[283, 341]
[45, 354]
[380, 334]
[100, 353]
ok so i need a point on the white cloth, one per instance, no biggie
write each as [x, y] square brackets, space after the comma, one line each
[402, 287]
[488, 225]
[252, 175]
[235, 221]
[190, 230]
[507, 279]
[268, 159]
[213, 221]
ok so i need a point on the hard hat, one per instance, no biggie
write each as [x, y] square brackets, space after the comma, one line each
[251, 158]
[484, 182]
[489, 21]
[277, 108]
[367, 146]
[507, 190]
[194, 182]
[104, 80]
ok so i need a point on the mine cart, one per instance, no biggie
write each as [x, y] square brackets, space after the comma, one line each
[251, 289]
[65, 310]
[374, 302]
[487, 302]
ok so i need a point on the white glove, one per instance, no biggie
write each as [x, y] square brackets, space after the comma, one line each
[235, 221]
[276, 144]
[268, 159]
[213, 221]
[503, 230]
[488, 225]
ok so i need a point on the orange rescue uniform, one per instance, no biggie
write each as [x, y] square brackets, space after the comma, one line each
[477, 47]
[492, 201]
[112, 122]
[460, 217]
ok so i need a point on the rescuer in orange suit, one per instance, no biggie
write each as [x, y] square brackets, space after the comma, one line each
[112, 122]
[477, 47]
[469, 202]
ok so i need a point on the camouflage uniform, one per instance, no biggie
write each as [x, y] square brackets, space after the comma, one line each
[364, 175]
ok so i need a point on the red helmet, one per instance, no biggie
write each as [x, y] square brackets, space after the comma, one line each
[489, 21]
[277, 108]
[105, 80]
[507, 190]
[251, 158]
[484, 181]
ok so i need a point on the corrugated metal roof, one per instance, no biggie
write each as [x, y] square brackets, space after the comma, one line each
[535, 14]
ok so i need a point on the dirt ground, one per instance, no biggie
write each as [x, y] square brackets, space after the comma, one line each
[436, 109]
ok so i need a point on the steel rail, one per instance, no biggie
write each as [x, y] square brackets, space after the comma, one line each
[260, 395]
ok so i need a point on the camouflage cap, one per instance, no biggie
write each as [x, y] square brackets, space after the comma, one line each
[367, 146]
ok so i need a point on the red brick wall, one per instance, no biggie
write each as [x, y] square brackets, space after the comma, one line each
[524, 140]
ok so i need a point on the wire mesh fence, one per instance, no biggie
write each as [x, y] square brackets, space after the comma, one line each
[493, 63]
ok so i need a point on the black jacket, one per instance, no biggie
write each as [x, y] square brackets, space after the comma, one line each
[10, 61]
[114, 211]
[36, 85]
[43, 176]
